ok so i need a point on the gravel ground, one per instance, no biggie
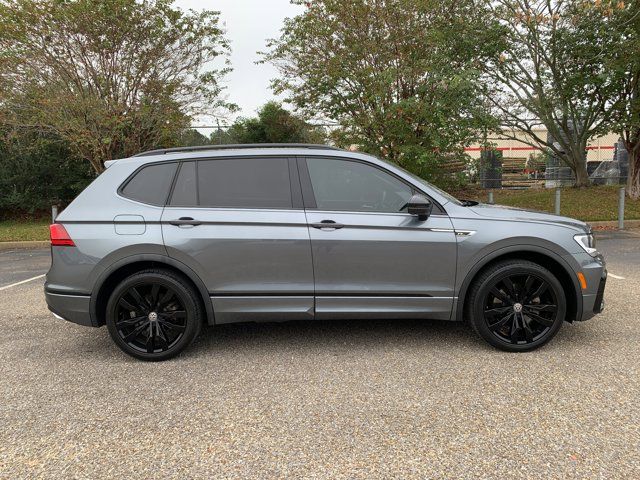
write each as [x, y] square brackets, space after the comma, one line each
[401, 399]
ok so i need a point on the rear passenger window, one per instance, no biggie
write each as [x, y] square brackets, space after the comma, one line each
[184, 191]
[151, 184]
[244, 183]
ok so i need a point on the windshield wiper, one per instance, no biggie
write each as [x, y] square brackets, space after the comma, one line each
[468, 203]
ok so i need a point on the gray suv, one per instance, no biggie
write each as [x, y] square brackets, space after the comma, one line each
[165, 241]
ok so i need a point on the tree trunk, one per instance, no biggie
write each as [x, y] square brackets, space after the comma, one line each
[578, 163]
[633, 182]
[582, 177]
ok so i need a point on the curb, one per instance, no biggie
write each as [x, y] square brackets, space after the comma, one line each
[24, 245]
[614, 223]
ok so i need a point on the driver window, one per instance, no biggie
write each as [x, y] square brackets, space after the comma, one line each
[356, 187]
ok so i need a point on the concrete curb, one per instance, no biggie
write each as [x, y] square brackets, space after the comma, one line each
[24, 245]
[607, 224]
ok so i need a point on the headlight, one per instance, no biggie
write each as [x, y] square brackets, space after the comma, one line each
[587, 242]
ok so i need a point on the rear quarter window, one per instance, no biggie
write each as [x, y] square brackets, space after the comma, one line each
[150, 184]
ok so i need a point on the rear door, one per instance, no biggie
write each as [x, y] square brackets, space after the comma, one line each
[371, 258]
[240, 224]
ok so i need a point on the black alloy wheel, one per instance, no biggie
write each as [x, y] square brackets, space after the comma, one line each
[153, 315]
[517, 305]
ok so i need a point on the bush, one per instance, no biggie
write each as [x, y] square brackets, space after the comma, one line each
[37, 171]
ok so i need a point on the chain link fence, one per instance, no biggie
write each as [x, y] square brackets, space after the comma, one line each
[513, 164]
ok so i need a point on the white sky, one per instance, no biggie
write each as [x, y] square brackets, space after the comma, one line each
[248, 23]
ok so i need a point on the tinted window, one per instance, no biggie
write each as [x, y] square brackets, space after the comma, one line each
[244, 183]
[185, 192]
[355, 187]
[151, 184]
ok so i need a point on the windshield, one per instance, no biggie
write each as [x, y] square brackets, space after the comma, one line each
[422, 181]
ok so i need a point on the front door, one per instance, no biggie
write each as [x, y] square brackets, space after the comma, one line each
[370, 257]
[239, 224]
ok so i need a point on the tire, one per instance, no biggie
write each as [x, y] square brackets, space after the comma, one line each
[154, 314]
[516, 305]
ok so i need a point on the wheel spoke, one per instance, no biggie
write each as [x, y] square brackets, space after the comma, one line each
[164, 343]
[128, 306]
[528, 333]
[128, 322]
[515, 328]
[500, 323]
[539, 291]
[541, 320]
[165, 299]
[511, 288]
[528, 284]
[536, 307]
[139, 299]
[493, 312]
[174, 315]
[155, 289]
[501, 296]
[151, 344]
[135, 332]
[173, 326]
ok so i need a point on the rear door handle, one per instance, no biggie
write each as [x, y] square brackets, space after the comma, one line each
[185, 221]
[327, 225]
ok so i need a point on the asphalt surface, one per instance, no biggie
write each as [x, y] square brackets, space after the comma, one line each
[366, 399]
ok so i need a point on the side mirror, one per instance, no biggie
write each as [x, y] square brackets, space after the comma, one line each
[420, 206]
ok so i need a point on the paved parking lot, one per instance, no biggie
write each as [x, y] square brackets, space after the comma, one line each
[402, 399]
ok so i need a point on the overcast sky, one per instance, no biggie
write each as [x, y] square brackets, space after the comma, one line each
[248, 24]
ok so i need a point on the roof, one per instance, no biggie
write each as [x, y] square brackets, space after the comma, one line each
[200, 148]
[205, 151]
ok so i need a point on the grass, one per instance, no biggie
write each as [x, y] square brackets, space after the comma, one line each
[23, 230]
[589, 204]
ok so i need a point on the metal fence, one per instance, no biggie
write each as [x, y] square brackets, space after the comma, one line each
[516, 166]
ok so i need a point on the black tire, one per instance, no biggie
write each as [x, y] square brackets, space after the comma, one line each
[154, 314]
[516, 305]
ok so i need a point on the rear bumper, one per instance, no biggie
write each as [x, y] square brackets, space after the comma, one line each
[73, 308]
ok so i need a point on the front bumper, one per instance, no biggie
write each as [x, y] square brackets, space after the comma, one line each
[73, 308]
[595, 273]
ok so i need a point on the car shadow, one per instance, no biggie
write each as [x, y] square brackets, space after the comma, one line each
[314, 335]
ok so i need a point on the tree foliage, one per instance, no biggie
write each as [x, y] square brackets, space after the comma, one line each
[550, 72]
[111, 77]
[38, 170]
[274, 124]
[399, 76]
[619, 23]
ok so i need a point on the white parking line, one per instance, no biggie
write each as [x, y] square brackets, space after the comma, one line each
[23, 281]
[617, 277]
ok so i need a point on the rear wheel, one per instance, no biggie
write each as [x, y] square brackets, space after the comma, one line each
[154, 315]
[517, 305]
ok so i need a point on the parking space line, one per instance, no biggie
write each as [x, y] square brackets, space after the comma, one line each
[23, 281]
[617, 277]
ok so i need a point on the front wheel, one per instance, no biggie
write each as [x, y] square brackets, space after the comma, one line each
[516, 305]
[154, 314]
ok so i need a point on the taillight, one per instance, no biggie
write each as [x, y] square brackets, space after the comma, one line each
[59, 236]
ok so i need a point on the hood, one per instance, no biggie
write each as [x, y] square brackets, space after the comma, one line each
[522, 215]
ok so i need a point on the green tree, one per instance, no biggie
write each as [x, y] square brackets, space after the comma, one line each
[38, 170]
[193, 138]
[550, 72]
[274, 124]
[110, 77]
[619, 23]
[399, 76]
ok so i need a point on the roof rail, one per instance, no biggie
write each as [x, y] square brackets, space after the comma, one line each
[200, 148]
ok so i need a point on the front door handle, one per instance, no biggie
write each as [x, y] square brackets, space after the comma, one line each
[327, 225]
[185, 221]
